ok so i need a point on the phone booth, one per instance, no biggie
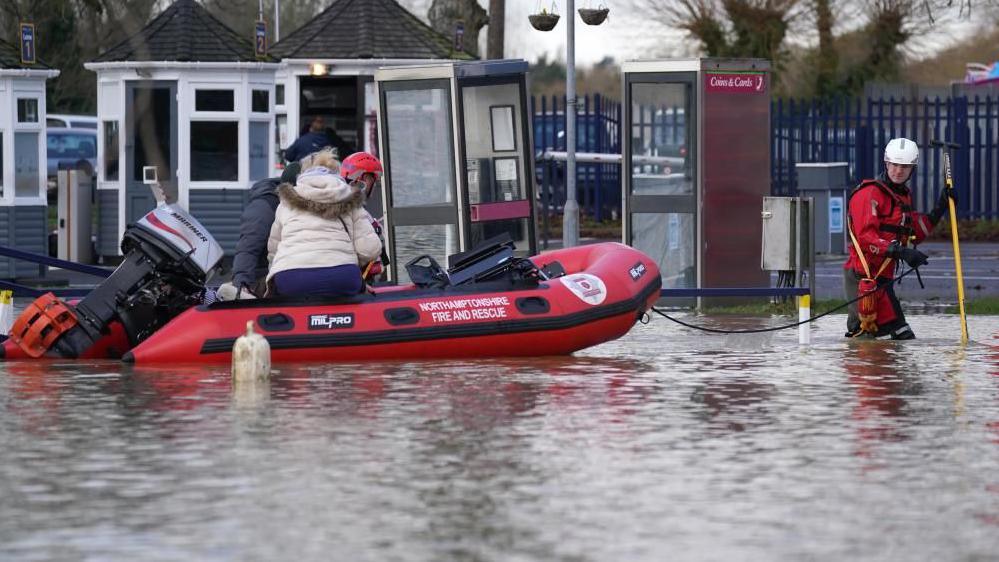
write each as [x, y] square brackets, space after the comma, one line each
[696, 161]
[457, 152]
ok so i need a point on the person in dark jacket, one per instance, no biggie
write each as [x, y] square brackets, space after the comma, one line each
[343, 148]
[249, 265]
[314, 140]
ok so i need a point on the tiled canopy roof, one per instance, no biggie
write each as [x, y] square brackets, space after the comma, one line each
[184, 32]
[366, 29]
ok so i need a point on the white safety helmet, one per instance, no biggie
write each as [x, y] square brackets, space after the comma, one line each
[902, 151]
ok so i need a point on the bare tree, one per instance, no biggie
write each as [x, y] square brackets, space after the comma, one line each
[70, 33]
[729, 28]
[444, 16]
[241, 15]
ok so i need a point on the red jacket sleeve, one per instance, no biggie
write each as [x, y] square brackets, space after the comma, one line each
[922, 226]
[865, 205]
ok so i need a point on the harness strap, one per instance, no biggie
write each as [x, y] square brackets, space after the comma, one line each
[860, 253]
[903, 231]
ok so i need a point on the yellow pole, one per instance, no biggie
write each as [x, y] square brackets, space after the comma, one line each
[949, 181]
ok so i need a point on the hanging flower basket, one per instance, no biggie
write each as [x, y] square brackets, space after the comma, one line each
[543, 21]
[593, 16]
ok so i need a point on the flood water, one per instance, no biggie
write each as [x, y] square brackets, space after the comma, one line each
[664, 445]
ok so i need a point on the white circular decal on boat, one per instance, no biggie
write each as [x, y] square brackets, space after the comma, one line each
[589, 288]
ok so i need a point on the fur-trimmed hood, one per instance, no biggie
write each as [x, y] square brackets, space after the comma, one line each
[325, 195]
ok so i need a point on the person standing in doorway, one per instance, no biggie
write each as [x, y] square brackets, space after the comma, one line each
[313, 140]
[884, 230]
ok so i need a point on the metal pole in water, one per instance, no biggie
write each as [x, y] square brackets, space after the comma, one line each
[570, 213]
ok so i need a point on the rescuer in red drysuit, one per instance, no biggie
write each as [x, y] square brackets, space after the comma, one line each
[883, 229]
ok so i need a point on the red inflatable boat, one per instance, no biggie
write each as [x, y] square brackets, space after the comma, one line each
[566, 300]
[604, 290]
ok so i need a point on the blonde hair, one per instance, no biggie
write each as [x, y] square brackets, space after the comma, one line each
[324, 158]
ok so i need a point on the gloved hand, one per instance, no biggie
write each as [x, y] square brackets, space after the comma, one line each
[942, 206]
[911, 256]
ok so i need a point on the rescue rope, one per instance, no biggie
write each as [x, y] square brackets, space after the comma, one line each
[786, 326]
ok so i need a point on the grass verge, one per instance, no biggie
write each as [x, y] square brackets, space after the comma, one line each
[976, 306]
[768, 308]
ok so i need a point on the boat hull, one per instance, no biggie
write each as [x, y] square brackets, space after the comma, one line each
[607, 290]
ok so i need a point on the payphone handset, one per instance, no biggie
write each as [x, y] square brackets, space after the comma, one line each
[480, 181]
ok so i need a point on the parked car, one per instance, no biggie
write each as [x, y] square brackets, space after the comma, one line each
[71, 121]
[71, 147]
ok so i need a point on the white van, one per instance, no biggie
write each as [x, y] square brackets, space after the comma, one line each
[71, 121]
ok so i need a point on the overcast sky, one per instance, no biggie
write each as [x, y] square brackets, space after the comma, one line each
[627, 35]
[623, 36]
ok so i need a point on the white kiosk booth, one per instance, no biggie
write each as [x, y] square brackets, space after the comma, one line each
[458, 157]
[328, 67]
[23, 182]
[696, 166]
[188, 95]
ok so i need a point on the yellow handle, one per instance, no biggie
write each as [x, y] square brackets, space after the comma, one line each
[957, 265]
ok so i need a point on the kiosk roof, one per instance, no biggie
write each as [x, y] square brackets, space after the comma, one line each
[366, 29]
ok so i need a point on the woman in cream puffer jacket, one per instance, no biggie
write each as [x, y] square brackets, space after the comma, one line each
[321, 234]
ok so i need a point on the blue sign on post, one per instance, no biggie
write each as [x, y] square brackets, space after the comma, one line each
[459, 36]
[27, 43]
[260, 34]
[835, 215]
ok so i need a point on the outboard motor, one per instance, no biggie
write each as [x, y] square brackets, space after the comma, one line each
[168, 258]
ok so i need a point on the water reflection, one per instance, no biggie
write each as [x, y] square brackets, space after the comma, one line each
[734, 404]
[662, 441]
[883, 383]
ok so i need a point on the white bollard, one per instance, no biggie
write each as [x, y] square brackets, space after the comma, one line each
[6, 312]
[804, 313]
[251, 357]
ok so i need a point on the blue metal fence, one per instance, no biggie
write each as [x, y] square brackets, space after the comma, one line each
[598, 186]
[856, 130]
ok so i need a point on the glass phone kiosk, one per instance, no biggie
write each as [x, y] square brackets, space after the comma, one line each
[457, 153]
[696, 166]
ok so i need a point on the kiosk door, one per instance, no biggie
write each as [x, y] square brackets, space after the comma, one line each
[421, 202]
[660, 173]
[496, 169]
[151, 136]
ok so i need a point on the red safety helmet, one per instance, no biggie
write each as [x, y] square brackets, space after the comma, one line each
[357, 164]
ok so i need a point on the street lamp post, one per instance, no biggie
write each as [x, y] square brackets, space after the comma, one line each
[570, 213]
[546, 22]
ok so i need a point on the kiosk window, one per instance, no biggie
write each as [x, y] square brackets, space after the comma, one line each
[660, 141]
[493, 130]
[261, 101]
[110, 150]
[669, 239]
[214, 100]
[214, 150]
[420, 145]
[27, 110]
[259, 135]
[26, 165]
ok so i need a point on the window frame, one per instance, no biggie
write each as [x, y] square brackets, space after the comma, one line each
[211, 183]
[102, 161]
[213, 88]
[38, 127]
